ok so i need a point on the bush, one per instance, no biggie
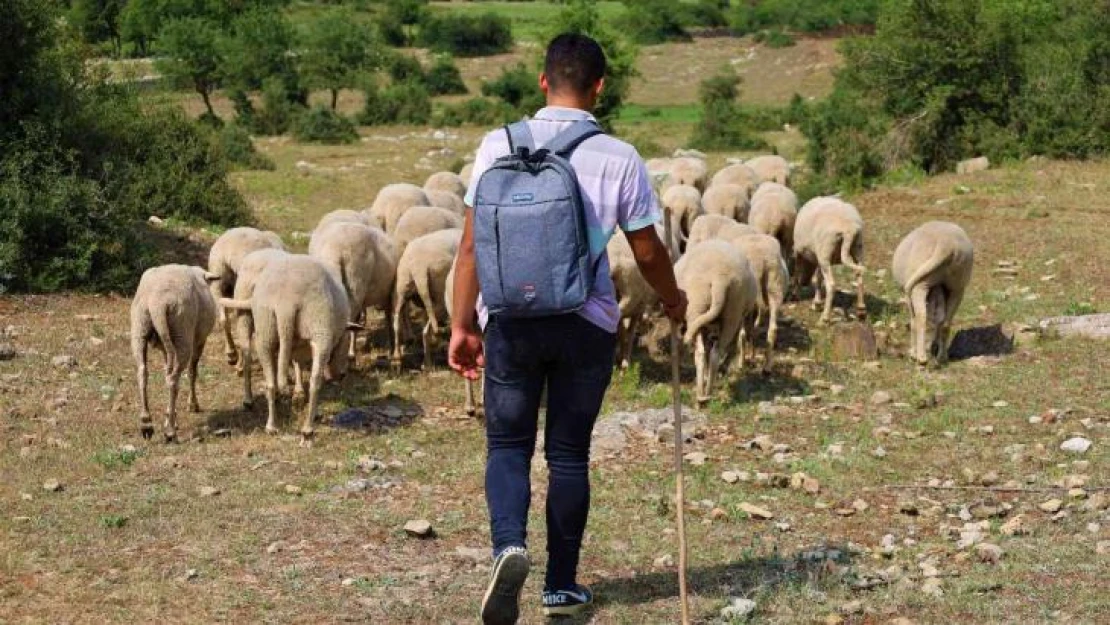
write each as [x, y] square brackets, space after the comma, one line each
[443, 78]
[518, 87]
[704, 14]
[802, 15]
[722, 124]
[403, 67]
[774, 38]
[234, 141]
[476, 112]
[653, 21]
[402, 103]
[321, 124]
[467, 35]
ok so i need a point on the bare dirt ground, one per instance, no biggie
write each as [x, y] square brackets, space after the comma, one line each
[98, 524]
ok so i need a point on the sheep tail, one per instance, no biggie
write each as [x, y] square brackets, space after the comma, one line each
[846, 250]
[717, 295]
[935, 260]
[424, 290]
[161, 323]
[235, 304]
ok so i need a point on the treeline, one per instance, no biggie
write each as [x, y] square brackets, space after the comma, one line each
[943, 80]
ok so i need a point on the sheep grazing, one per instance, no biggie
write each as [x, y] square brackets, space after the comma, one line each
[737, 173]
[730, 200]
[708, 227]
[363, 260]
[447, 181]
[723, 296]
[173, 309]
[344, 216]
[933, 267]
[448, 200]
[300, 313]
[392, 201]
[465, 174]
[774, 211]
[223, 260]
[828, 232]
[684, 205]
[770, 168]
[973, 165]
[421, 220]
[422, 274]
[448, 299]
[249, 271]
[764, 256]
[689, 171]
[634, 294]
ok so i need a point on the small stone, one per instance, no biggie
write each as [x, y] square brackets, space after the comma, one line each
[990, 478]
[1014, 527]
[664, 561]
[349, 581]
[717, 514]
[1077, 493]
[833, 619]
[1034, 419]
[1000, 404]
[1094, 528]
[859, 505]
[852, 607]
[274, 547]
[1052, 505]
[880, 398]
[366, 463]
[695, 458]
[208, 491]
[52, 486]
[879, 452]
[333, 465]
[419, 528]
[191, 574]
[783, 526]
[836, 389]
[986, 430]
[1076, 445]
[730, 477]
[7, 352]
[811, 485]
[292, 489]
[155, 220]
[26, 496]
[64, 361]
[931, 587]
[738, 608]
[1102, 547]
[988, 553]
[756, 512]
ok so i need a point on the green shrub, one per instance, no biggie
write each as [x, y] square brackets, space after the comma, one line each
[467, 35]
[401, 103]
[238, 148]
[518, 87]
[722, 125]
[703, 14]
[774, 38]
[278, 111]
[653, 21]
[802, 15]
[321, 124]
[476, 112]
[402, 67]
[443, 78]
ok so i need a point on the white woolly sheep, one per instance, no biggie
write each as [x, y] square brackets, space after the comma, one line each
[300, 312]
[722, 295]
[421, 220]
[770, 168]
[634, 295]
[363, 259]
[689, 171]
[249, 270]
[447, 181]
[933, 266]
[422, 274]
[448, 299]
[173, 309]
[708, 227]
[223, 261]
[345, 216]
[828, 232]
[730, 200]
[764, 256]
[774, 211]
[448, 200]
[737, 173]
[684, 204]
[392, 201]
[466, 173]
[973, 165]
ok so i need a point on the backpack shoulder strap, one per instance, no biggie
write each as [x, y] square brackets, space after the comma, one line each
[566, 141]
[519, 137]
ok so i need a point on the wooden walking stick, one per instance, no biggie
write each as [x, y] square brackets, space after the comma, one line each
[680, 498]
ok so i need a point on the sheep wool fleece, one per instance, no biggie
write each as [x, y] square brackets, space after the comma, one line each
[571, 355]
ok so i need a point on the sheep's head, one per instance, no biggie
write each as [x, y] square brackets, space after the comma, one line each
[339, 362]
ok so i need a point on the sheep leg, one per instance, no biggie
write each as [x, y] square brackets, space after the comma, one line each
[194, 405]
[174, 368]
[229, 340]
[428, 339]
[919, 305]
[629, 339]
[953, 304]
[139, 350]
[700, 358]
[267, 358]
[861, 304]
[248, 395]
[316, 379]
[714, 365]
[772, 333]
[398, 320]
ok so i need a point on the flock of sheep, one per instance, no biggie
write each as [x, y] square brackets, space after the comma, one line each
[736, 239]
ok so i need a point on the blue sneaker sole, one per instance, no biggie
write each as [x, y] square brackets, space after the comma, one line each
[501, 604]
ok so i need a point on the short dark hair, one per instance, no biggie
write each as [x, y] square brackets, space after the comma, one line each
[574, 62]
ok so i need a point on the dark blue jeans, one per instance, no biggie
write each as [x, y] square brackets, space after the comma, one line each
[574, 359]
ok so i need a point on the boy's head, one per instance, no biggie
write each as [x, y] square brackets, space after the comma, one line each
[573, 71]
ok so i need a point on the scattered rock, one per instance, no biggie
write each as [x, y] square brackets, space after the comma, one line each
[292, 489]
[7, 352]
[64, 361]
[419, 528]
[274, 547]
[208, 491]
[879, 452]
[1000, 404]
[730, 477]
[931, 587]
[756, 512]
[1051, 506]
[880, 398]
[1102, 547]
[738, 608]
[52, 486]
[860, 505]
[696, 458]
[155, 220]
[664, 561]
[1076, 445]
[348, 582]
[988, 553]
[191, 574]
[852, 607]
[1086, 326]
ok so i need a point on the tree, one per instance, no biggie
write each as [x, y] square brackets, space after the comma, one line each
[336, 51]
[98, 20]
[653, 21]
[194, 56]
[722, 124]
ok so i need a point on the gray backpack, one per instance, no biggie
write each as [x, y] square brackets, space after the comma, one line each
[530, 227]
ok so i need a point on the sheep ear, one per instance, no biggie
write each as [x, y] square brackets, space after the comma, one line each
[211, 277]
[357, 327]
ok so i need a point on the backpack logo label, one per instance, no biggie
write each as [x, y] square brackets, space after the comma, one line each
[519, 198]
[529, 291]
